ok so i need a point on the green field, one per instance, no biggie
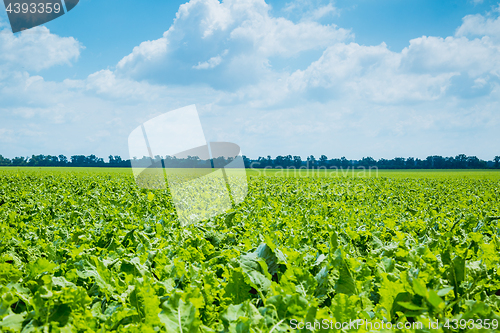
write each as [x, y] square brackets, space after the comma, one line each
[356, 173]
[86, 250]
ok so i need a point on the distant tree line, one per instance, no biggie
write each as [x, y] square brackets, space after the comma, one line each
[461, 161]
[63, 161]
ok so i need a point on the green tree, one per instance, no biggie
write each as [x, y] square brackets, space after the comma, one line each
[410, 163]
[367, 162]
[4, 161]
[63, 160]
[461, 161]
[311, 162]
[344, 162]
[19, 161]
[297, 161]
[78, 160]
[323, 161]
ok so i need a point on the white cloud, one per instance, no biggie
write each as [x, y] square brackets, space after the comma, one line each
[150, 51]
[105, 84]
[323, 11]
[37, 49]
[453, 54]
[212, 62]
[373, 73]
[479, 25]
[311, 10]
[428, 69]
[342, 62]
[244, 37]
[208, 29]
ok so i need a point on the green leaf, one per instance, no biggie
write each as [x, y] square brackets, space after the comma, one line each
[41, 265]
[237, 289]
[444, 291]
[241, 315]
[345, 308]
[345, 283]
[419, 288]
[434, 299]
[410, 306]
[13, 322]
[388, 291]
[179, 316]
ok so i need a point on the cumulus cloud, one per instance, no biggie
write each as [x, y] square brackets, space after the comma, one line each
[373, 73]
[37, 49]
[452, 54]
[237, 38]
[481, 25]
[428, 69]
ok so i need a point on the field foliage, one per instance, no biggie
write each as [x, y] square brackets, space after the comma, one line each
[88, 251]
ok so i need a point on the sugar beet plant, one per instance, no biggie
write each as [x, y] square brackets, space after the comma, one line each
[91, 252]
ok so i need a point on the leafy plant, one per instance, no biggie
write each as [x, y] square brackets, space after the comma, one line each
[85, 251]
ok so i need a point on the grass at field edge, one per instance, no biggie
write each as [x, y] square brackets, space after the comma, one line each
[356, 173]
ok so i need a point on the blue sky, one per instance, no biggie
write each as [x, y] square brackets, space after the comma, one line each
[341, 78]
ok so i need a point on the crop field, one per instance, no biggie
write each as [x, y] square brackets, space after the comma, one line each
[86, 250]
